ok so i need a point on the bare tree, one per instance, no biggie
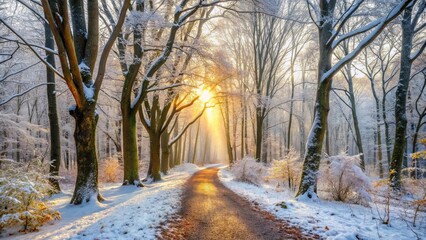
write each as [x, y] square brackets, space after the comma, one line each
[409, 22]
[330, 26]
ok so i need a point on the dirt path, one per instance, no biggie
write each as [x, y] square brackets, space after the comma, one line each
[212, 211]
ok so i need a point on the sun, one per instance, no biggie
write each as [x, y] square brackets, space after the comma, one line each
[205, 95]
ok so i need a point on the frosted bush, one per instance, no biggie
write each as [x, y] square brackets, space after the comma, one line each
[110, 170]
[342, 178]
[287, 170]
[248, 170]
[23, 190]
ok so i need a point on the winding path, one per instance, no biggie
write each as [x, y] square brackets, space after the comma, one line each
[212, 211]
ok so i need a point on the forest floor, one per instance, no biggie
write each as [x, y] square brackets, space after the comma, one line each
[128, 212]
[330, 219]
[212, 211]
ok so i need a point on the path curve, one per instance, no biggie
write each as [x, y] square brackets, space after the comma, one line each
[212, 211]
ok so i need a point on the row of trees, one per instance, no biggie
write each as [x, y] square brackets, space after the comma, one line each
[354, 45]
[279, 55]
[154, 42]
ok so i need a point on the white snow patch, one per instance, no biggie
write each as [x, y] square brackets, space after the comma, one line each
[89, 92]
[330, 220]
[128, 212]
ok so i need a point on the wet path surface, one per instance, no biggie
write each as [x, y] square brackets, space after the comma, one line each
[212, 211]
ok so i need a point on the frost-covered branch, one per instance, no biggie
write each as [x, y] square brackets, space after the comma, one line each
[22, 93]
[379, 25]
[32, 49]
[419, 52]
[30, 45]
[17, 72]
[344, 18]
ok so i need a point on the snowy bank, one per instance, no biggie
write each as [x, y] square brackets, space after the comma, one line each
[128, 212]
[330, 220]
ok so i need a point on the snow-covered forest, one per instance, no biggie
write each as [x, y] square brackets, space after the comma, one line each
[115, 115]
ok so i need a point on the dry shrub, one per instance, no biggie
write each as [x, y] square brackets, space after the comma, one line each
[248, 170]
[110, 170]
[23, 191]
[415, 190]
[342, 178]
[286, 171]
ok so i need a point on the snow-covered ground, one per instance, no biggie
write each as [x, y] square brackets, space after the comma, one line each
[128, 213]
[330, 220]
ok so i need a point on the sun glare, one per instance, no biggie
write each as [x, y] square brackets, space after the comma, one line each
[205, 95]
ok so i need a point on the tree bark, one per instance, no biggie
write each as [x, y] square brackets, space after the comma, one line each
[130, 146]
[290, 118]
[322, 107]
[355, 116]
[55, 131]
[165, 152]
[154, 154]
[259, 134]
[401, 100]
[86, 186]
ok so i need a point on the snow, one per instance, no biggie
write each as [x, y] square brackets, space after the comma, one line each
[89, 92]
[330, 220]
[128, 212]
[72, 108]
[376, 25]
[84, 68]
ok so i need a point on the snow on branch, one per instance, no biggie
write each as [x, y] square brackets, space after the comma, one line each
[23, 93]
[378, 26]
[344, 18]
[7, 75]
[32, 49]
[162, 58]
[419, 52]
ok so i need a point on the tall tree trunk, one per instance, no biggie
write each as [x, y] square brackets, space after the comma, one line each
[196, 143]
[327, 141]
[301, 121]
[154, 154]
[401, 99]
[265, 141]
[55, 131]
[378, 147]
[355, 115]
[165, 152]
[243, 126]
[379, 141]
[322, 107]
[86, 186]
[259, 134]
[290, 118]
[225, 116]
[130, 146]
[387, 134]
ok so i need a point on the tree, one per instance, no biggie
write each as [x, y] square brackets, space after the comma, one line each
[329, 27]
[55, 131]
[378, 62]
[268, 35]
[350, 93]
[77, 45]
[409, 22]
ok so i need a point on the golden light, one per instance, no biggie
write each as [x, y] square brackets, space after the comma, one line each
[205, 95]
